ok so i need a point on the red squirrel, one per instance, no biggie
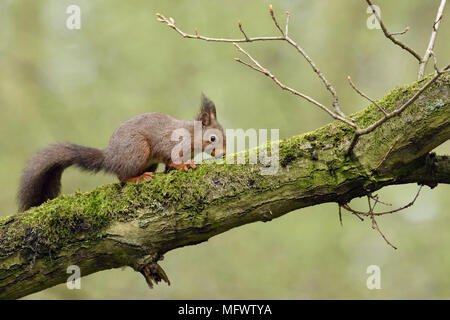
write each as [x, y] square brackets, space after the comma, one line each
[134, 151]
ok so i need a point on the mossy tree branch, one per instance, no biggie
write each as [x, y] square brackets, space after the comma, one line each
[135, 225]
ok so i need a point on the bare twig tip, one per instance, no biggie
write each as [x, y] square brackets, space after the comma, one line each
[271, 9]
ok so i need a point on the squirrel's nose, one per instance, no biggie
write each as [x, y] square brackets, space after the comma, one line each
[218, 153]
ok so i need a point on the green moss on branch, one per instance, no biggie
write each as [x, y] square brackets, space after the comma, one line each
[114, 225]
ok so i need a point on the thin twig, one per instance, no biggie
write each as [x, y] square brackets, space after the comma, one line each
[340, 214]
[402, 108]
[329, 87]
[376, 227]
[267, 72]
[247, 64]
[354, 212]
[375, 198]
[400, 32]
[399, 110]
[371, 214]
[261, 68]
[242, 30]
[287, 23]
[359, 132]
[171, 23]
[374, 222]
[435, 66]
[361, 213]
[365, 96]
[390, 36]
[275, 21]
[337, 114]
[430, 47]
[401, 208]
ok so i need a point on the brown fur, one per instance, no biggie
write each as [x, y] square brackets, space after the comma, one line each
[133, 153]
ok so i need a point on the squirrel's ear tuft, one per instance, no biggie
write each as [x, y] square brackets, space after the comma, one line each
[208, 107]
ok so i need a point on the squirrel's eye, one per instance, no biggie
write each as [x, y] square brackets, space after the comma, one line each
[212, 138]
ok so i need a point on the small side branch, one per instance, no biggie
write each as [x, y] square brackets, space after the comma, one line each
[435, 63]
[284, 37]
[242, 30]
[402, 108]
[359, 132]
[430, 47]
[288, 15]
[374, 221]
[258, 67]
[170, 22]
[335, 112]
[376, 227]
[390, 36]
[275, 21]
[400, 32]
[365, 96]
[409, 204]
[381, 213]
[371, 214]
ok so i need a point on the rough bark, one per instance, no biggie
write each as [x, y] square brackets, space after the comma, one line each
[135, 225]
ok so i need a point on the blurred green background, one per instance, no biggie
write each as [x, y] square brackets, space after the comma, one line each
[59, 85]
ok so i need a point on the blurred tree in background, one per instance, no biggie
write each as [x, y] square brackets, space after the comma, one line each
[60, 85]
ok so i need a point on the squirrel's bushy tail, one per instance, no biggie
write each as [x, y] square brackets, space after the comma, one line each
[41, 178]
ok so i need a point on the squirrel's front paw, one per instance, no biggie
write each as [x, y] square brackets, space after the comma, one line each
[183, 165]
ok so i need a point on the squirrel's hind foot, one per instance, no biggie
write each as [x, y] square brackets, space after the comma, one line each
[146, 176]
[183, 165]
